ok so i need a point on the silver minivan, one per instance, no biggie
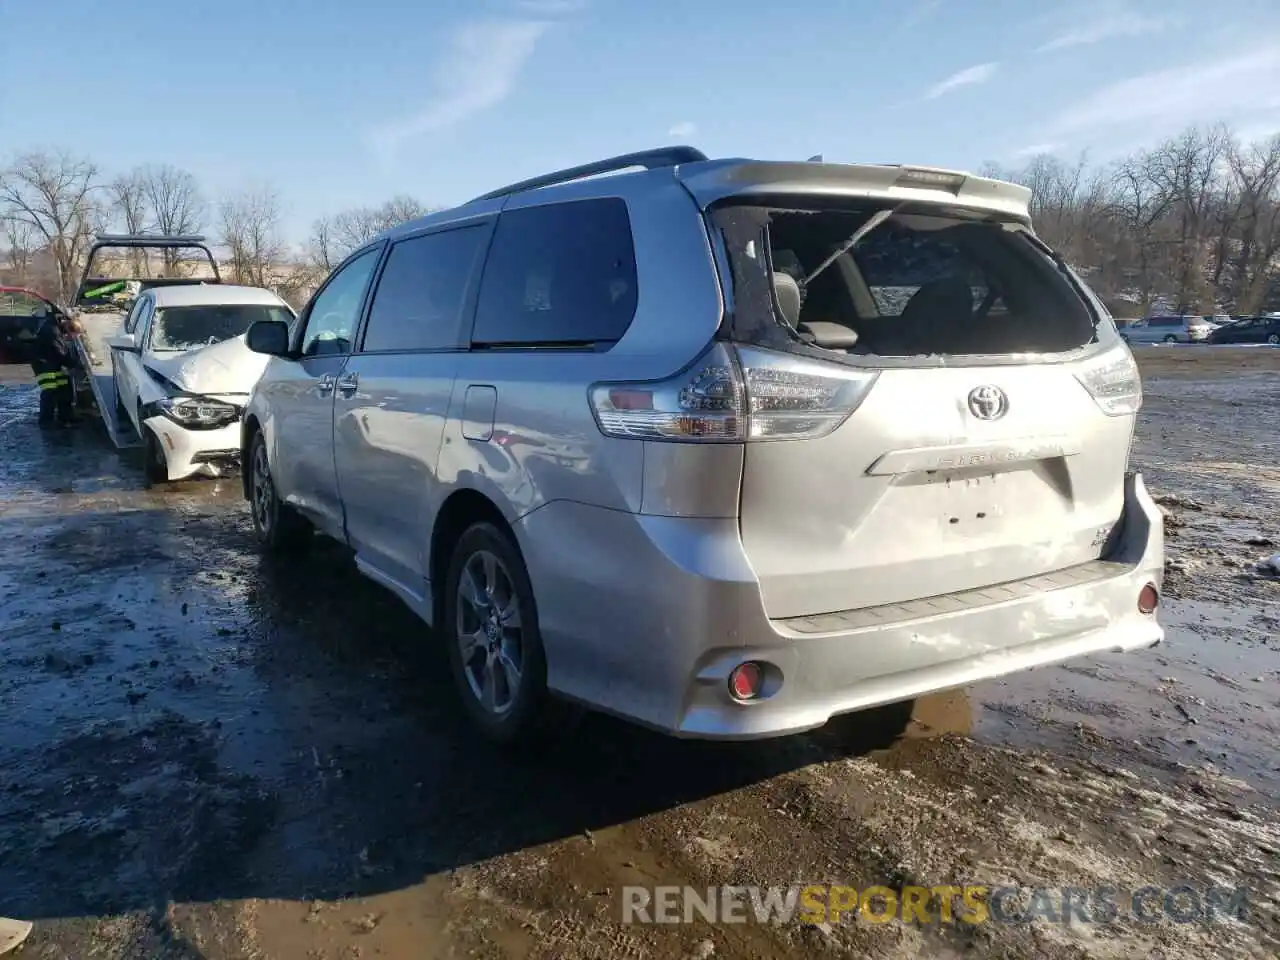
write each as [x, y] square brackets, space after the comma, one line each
[726, 447]
[1167, 329]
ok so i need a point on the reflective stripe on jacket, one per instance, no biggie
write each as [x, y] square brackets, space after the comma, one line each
[51, 381]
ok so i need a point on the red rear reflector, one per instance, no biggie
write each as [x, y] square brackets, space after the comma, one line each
[1148, 598]
[745, 681]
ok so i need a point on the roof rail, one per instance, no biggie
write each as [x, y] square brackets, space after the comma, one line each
[147, 239]
[649, 159]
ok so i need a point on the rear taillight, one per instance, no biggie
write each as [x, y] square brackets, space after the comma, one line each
[734, 393]
[1112, 380]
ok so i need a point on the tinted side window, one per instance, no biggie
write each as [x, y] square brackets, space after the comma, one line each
[331, 321]
[560, 273]
[418, 302]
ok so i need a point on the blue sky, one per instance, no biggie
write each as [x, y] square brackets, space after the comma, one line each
[340, 104]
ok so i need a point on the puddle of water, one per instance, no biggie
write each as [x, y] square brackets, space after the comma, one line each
[1209, 694]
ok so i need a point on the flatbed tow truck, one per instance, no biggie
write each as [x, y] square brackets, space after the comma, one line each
[103, 302]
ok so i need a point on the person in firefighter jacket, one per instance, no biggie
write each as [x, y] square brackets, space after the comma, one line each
[52, 362]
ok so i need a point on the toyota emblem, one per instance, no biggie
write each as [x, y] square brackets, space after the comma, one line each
[988, 402]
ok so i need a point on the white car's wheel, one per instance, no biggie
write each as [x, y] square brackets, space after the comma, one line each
[156, 465]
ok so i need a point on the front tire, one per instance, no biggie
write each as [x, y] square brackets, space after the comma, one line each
[490, 625]
[1171, 339]
[1274, 339]
[156, 466]
[278, 528]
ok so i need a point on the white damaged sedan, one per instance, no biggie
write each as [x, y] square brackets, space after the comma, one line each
[183, 374]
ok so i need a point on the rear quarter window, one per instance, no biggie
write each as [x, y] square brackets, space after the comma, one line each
[559, 274]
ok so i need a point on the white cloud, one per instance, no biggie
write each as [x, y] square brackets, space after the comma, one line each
[551, 8]
[1106, 24]
[1036, 149]
[683, 129]
[969, 76]
[477, 71]
[1242, 88]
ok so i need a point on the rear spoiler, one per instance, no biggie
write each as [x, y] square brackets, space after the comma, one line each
[717, 180]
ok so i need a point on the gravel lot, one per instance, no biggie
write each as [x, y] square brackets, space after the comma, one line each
[209, 755]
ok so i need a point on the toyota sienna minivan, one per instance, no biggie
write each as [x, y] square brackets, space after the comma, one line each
[726, 447]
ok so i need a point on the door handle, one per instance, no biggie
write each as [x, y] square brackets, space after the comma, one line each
[324, 386]
[347, 385]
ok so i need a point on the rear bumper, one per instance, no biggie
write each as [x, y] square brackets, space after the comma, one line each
[646, 616]
[197, 453]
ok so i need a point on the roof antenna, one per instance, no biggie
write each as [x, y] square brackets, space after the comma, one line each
[816, 158]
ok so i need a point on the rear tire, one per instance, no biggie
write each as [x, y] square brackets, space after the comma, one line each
[278, 528]
[1274, 339]
[490, 625]
[1171, 339]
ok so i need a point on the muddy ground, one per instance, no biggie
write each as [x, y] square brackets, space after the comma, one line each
[207, 755]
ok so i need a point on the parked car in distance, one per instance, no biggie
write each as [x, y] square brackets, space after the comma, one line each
[1170, 329]
[183, 373]
[1249, 330]
[726, 447]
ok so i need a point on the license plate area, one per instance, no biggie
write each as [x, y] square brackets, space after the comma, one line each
[971, 502]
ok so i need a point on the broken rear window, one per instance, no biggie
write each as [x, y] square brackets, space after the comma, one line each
[895, 282]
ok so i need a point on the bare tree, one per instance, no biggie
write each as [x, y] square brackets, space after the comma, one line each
[1187, 173]
[345, 231]
[1256, 171]
[401, 209]
[176, 203]
[53, 194]
[1191, 224]
[20, 249]
[322, 247]
[1140, 205]
[128, 194]
[251, 232]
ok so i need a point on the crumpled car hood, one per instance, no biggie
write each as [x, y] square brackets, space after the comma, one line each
[226, 367]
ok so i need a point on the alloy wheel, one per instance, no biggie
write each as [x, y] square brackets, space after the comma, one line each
[489, 632]
[263, 493]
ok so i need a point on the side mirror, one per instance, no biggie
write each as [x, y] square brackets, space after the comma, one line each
[123, 341]
[268, 336]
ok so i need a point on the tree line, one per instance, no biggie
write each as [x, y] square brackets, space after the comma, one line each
[1190, 225]
[54, 202]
